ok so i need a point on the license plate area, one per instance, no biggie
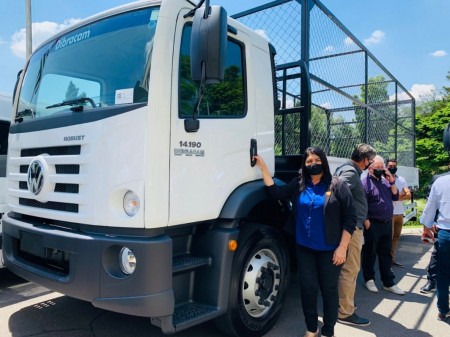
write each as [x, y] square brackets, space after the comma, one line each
[32, 244]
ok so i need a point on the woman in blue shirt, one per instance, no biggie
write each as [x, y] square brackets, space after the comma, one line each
[322, 222]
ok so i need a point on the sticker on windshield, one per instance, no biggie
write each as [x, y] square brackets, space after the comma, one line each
[64, 42]
[154, 15]
[124, 96]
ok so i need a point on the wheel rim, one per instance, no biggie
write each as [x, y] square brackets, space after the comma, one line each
[261, 283]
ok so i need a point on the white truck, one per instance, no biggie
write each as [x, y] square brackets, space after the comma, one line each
[130, 176]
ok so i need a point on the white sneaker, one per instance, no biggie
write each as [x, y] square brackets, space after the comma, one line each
[370, 285]
[395, 289]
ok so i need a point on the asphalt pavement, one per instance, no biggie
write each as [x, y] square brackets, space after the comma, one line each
[27, 309]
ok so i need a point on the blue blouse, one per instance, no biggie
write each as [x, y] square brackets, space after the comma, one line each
[310, 222]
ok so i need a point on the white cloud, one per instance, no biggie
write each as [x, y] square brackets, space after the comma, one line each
[41, 31]
[439, 53]
[329, 49]
[289, 103]
[348, 41]
[326, 105]
[376, 37]
[421, 92]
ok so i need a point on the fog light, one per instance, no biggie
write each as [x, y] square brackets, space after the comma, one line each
[131, 203]
[127, 261]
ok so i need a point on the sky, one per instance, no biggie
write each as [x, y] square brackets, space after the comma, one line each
[409, 37]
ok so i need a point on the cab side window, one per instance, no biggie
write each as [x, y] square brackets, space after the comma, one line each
[221, 100]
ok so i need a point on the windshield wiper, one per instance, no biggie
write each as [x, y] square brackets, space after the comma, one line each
[21, 114]
[73, 102]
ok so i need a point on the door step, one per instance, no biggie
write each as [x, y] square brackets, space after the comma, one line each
[186, 315]
[187, 262]
[191, 312]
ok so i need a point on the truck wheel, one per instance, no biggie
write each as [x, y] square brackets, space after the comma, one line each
[259, 282]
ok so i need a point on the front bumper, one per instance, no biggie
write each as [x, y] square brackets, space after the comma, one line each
[85, 266]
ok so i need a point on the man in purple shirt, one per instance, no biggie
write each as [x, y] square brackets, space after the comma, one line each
[379, 187]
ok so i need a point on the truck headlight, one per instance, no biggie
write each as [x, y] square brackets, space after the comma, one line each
[131, 203]
[127, 260]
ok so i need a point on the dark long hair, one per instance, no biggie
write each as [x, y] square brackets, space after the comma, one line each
[326, 177]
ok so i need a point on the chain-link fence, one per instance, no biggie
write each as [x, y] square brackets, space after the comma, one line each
[334, 93]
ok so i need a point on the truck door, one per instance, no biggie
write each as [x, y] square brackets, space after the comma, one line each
[207, 165]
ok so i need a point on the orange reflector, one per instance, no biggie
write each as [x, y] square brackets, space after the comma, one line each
[232, 245]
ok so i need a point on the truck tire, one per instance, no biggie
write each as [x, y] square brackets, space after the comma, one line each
[259, 282]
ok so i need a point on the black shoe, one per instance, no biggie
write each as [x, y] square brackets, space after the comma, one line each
[354, 319]
[443, 317]
[428, 288]
[396, 264]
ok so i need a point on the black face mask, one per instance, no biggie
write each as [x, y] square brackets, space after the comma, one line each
[393, 170]
[314, 169]
[378, 173]
[367, 166]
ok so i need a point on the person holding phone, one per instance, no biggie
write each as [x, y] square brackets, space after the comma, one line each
[399, 209]
[380, 190]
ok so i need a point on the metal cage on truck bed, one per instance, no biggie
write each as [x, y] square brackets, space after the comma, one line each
[328, 79]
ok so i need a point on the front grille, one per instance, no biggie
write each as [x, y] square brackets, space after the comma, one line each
[53, 205]
[52, 151]
[60, 169]
[60, 188]
[67, 169]
[58, 154]
[67, 188]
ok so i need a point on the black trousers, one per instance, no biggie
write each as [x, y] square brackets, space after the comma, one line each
[378, 243]
[317, 271]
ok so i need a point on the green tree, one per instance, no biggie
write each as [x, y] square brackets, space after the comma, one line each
[430, 155]
[319, 128]
[343, 137]
[378, 99]
[188, 88]
[72, 92]
[225, 98]
[220, 99]
[431, 119]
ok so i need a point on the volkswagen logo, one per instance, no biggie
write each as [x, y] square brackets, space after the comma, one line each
[35, 177]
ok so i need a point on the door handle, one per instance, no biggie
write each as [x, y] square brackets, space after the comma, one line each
[253, 151]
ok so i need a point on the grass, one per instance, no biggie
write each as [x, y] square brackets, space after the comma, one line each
[420, 206]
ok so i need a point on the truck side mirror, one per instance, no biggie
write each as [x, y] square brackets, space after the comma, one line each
[209, 44]
[208, 52]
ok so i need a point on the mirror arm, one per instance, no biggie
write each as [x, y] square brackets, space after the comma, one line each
[192, 11]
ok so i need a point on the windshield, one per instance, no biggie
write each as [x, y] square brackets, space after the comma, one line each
[101, 64]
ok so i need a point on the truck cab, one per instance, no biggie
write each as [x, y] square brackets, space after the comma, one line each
[113, 201]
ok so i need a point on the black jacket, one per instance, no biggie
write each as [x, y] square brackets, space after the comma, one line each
[339, 213]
